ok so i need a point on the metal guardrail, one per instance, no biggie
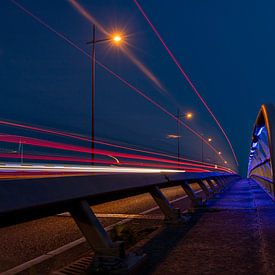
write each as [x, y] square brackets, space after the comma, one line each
[261, 158]
[28, 199]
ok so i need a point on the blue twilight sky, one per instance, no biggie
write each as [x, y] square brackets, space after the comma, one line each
[226, 47]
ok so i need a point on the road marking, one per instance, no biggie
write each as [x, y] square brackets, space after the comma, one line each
[70, 245]
[122, 216]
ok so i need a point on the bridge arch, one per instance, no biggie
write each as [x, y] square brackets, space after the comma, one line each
[261, 163]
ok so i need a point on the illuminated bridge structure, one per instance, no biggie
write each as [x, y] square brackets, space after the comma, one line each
[262, 151]
[72, 189]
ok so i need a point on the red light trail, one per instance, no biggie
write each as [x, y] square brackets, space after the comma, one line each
[186, 77]
[117, 76]
[78, 137]
[74, 148]
[99, 161]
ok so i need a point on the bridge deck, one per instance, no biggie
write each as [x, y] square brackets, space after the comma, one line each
[234, 235]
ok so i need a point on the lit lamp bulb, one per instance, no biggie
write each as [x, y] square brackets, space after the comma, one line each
[117, 38]
[189, 115]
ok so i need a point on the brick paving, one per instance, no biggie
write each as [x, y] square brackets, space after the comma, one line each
[234, 235]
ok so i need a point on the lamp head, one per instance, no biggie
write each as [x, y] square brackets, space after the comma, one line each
[117, 39]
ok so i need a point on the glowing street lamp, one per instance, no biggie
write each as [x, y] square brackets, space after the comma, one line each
[187, 116]
[209, 139]
[116, 39]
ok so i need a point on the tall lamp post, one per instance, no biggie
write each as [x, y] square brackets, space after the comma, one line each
[116, 39]
[179, 116]
[209, 139]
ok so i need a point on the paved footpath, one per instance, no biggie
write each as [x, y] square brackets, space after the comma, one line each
[235, 235]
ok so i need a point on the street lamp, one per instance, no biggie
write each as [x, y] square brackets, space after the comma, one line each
[115, 39]
[187, 116]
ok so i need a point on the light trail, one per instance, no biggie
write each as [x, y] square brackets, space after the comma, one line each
[87, 15]
[116, 75]
[75, 148]
[85, 169]
[97, 141]
[126, 51]
[162, 109]
[186, 77]
[144, 69]
[98, 161]
[68, 147]
[52, 167]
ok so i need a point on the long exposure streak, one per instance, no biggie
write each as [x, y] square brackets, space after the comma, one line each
[117, 76]
[75, 148]
[77, 137]
[186, 77]
[99, 161]
[97, 141]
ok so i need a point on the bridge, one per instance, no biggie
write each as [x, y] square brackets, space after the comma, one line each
[125, 169]
[225, 208]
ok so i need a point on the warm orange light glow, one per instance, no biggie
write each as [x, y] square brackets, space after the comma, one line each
[209, 139]
[219, 153]
[189, 115]
[172, 136]
[117, 38]
[225, 162]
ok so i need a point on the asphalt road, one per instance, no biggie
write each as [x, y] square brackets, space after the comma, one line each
[23, 242]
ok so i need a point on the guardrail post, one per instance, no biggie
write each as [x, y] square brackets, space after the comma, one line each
[94, 232]
[218, 182]
[108, 254]
[211, 185]
[172, 215]
[221, 180]
[204, 188]
[196, 201]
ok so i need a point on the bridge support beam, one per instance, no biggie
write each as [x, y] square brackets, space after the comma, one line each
[207, 192]
[218, 183]
[108, 254]
[212, 186]
[172, 215]
[196, 201]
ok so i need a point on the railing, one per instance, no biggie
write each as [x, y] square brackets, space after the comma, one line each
[261, 158]
[28, 199]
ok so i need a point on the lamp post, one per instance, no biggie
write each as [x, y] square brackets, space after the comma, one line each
[116, 39]
[188, 116]
[209, 139]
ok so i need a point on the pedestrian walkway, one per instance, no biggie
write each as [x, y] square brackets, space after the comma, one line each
[235, 235]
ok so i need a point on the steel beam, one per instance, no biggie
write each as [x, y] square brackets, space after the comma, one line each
[94, 232]
[218, 183]
[109, 256]
[204, 188]
[172, 215]
[212, 186]
[196, 201]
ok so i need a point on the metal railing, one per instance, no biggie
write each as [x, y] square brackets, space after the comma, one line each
[261, 158]
[28, 199]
